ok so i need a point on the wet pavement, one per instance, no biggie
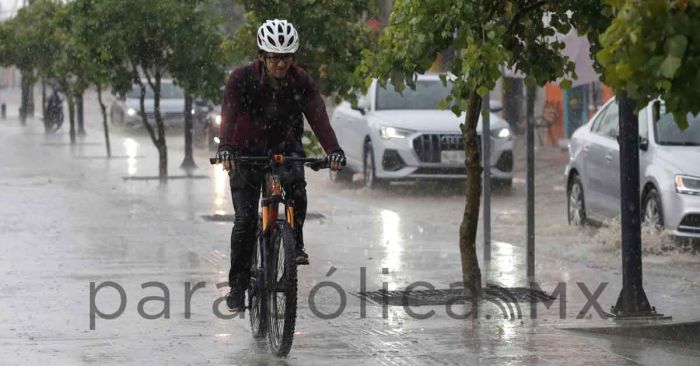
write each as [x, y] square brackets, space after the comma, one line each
[69, 219]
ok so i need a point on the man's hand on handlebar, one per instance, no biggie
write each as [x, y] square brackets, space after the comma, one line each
[225, 156]
[336, 160]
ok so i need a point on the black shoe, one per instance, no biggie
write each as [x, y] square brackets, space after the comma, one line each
[235, 300]
[301, 257]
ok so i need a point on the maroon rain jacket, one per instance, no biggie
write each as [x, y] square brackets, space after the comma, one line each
[256, 119]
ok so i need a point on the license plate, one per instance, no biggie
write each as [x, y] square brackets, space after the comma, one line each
[452, 157]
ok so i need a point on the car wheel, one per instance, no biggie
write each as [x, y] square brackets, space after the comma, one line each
[652, 209]
[576, 204]
[370, 176]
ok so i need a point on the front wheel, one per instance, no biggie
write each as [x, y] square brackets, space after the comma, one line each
[652, 210]
[256, 291]
[282, 290]
[369, 168]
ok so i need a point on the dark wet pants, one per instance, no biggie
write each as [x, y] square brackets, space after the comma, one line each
[246, 183]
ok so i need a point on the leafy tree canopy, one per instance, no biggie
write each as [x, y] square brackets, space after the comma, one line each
[484, 36]
[652, 49]
[26, 40]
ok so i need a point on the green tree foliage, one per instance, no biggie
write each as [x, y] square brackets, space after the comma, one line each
[26, 38]
[158, 39]
[483, 35]
[332, 35]
[27, 43]
[229, 14]
[652, 49]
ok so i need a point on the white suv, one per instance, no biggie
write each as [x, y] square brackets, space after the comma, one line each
[390, 136]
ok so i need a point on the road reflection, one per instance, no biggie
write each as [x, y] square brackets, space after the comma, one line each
[391, 239]
[220, 190]
[131, 147]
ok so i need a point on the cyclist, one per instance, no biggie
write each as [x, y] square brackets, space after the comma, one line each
[262, 111]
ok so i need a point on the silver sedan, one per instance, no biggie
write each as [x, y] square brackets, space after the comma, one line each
[669, 170]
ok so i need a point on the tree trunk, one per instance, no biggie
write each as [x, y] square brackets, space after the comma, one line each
[71, 117]
[25, 107]
[161, 145]
[43, 98]
[162, 160]
[81, 115]
[188, 161]
[471, 274]
[632, 300]
[103, 109]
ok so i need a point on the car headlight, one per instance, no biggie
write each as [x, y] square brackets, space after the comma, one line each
[501, 133]
[131, 112]
[217, 120]
[687, 185]
[387, 133]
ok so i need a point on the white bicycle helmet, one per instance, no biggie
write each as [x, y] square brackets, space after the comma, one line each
[278, 36]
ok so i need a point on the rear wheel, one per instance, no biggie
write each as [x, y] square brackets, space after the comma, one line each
[256, 293]
[282, 290]
[575, 203]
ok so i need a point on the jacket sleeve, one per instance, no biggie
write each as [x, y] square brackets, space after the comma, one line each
[315, 112]
[229, 105]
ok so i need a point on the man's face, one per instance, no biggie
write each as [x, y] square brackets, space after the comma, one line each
[278, 63]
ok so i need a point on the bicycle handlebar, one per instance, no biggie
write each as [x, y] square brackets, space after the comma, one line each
[315, 164]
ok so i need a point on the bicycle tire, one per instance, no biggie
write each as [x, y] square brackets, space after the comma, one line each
[282, 281]
[256, 292]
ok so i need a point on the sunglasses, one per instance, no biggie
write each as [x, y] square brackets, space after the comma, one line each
[285, 57]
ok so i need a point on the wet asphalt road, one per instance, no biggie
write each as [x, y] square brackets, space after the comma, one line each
[69, 219]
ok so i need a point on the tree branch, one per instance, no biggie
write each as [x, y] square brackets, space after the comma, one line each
[142, 105]
[522, 12]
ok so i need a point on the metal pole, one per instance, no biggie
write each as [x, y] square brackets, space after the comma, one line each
[486, 153]
[632, 300]
[530, 183]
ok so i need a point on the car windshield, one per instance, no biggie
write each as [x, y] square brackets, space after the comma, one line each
[428, 94]
[167, 91]
[668, 133]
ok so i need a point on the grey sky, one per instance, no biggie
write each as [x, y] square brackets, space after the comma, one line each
[8, 6]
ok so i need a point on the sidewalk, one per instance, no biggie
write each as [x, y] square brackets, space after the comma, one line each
[69, 219]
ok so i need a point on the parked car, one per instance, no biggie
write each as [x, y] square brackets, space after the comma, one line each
[391, 136]
[669, 170]
[127, 110]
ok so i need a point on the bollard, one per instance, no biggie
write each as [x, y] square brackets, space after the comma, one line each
[3, 111]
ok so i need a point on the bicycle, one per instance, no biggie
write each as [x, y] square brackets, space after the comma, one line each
[273, 267]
